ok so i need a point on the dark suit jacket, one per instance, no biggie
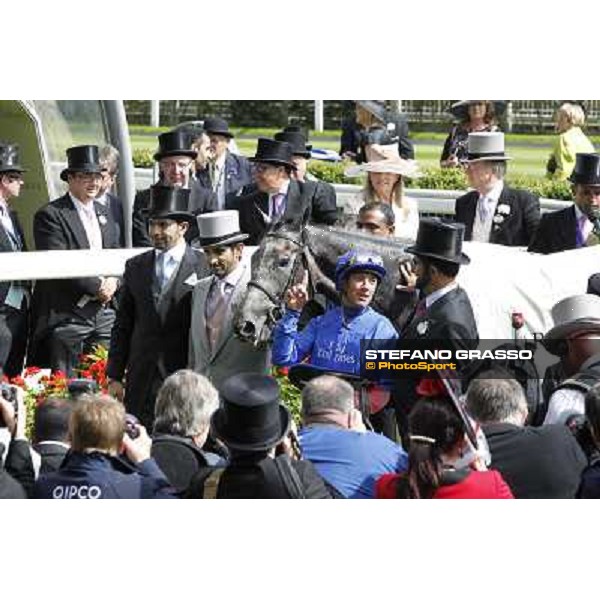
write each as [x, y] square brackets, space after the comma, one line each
[142, 343]
[313, 200]
[57, 226]
[115, 206]
[518, 227]
[557, 232]
[536, 462]
[449, 320]
[52, 456]
[201, 201]
[238, 173]
[7, 246]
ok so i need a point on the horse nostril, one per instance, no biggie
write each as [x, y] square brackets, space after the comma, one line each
[247, 330]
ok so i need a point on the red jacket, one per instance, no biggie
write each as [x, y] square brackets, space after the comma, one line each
[477, 485]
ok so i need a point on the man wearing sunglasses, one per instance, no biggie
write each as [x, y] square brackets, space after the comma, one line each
[14, 295]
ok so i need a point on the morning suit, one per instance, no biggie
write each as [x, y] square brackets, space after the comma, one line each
[68, 310]
[518, 223]
[237, 173]
[230, 355]
[201, 201]
[311, 199]
[149, 339]
[536, 462]
[450, 320]
[115, 206]
[557, 232]
[14, 321]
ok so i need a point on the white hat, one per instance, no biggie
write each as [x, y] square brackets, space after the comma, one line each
[385, 159]
[486, 145]
[220, 228]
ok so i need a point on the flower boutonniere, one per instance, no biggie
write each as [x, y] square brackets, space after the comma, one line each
[503, 209]
[102, 220]
[498, 219]
[422, 327]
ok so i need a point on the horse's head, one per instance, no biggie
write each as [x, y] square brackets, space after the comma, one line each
[275, 267]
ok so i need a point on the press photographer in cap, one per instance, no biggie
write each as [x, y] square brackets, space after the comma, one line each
[107, 461]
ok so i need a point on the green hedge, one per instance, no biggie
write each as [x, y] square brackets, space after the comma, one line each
[448, 179]
[143, 158]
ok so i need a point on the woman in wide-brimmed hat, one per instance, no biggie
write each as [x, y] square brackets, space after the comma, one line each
[386, 173]
[472, 115]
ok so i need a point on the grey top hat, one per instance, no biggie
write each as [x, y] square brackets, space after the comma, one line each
[486, 145]
[220, 228]
[571, 315]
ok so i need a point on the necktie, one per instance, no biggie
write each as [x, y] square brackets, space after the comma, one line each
[216, 312]
[161, 272]
[278, 205]
[484, 208]
[421, 309]
[580, 233]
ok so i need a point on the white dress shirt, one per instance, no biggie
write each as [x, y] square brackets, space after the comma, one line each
[483, 227]
[173, 258]
[435, 296]
[89, 220]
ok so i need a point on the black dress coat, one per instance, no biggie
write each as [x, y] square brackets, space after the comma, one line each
[308, 199]
[238, 173]
[536, 462]
[149, 342]
[557, 232]
[57, 226]
[201, 201]
[518, 227]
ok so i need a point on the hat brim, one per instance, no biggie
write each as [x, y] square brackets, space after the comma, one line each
[225, 240]
[190, 153]
[301, 374]
[461, 259]
[175, 216]
[489, 159]
[384, 166]
[218, 426]
[566, 330]
[460, 109]
[226, 134]
[273, 161]
[96, 169]
[576, 181]
[13, 169]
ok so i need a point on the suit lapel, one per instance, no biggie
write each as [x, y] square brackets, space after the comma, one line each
[186, 269]
[200, 299]
[71, 216]
[498, 229]
[106, 224]
[569, 232]
[236, 297]
[470, 210]
[293, 202]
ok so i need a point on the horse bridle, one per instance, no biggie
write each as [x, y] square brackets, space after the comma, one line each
[277, 302]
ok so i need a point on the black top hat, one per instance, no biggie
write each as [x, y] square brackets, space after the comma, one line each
[296, 140]
[169, 203]
[251, 417]
[217, 126]
[587, 169]
[175, 143]
[440, 240]
[82, 159]
[9, 159]
[274, 152]
[375, 107]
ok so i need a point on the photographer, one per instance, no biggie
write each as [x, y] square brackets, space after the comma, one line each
[93, 469]
[17, 476]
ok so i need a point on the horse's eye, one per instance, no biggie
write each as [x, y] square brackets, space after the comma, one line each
[284, 261]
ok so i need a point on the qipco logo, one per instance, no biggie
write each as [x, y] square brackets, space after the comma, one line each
[83, 492]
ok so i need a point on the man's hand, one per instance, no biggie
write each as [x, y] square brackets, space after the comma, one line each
[108, 287]
[7, 412]
[116, 390]
[296, 297]
[138, 450]
[408, 275]
[356, 421]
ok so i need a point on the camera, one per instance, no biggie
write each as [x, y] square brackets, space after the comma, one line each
[77, 387]
[581, 429]
[132, 426]
[9, 393]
